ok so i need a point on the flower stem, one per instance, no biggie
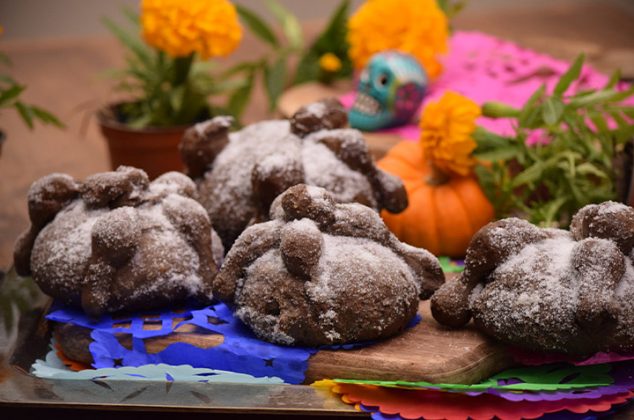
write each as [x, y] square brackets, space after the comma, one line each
[499, 110]
[437, 176]
[182, 66]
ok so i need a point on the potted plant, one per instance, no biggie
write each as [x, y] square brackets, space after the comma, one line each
[166, 80]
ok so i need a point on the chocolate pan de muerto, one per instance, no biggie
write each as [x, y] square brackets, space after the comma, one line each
[118, 242]
[239, 174]
[320, 272]
[549, 289]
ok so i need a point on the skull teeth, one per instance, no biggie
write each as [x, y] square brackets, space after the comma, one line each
[366, 104]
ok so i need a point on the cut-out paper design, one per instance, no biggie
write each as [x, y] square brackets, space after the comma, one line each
[240, 351]
[542, 378]
[415, 404]
[70, 364]
[449, 265]
[530, 358]
[52, 367]
[562, 415]
[485, 68]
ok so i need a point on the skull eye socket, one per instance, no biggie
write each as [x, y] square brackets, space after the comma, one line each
[382, 80]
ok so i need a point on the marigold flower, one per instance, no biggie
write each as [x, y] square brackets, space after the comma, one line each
[447, 133]
[208, 27]
[417, 27]
[330, 63]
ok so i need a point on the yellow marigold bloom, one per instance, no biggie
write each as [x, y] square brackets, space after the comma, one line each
[208, 27]
[330, 63]
[417, 27]
[447, 133]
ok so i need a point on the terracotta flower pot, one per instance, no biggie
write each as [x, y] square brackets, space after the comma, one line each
[153, 149]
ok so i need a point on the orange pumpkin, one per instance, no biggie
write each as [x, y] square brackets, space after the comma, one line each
[445, 209]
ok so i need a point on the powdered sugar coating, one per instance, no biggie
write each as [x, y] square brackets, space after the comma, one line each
[262, 160]
[324, 273]
[122, 244]
[548, 290]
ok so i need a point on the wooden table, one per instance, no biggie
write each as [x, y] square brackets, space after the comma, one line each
[66, 76]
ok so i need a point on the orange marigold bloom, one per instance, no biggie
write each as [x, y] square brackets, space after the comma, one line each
[208, 27]
[417, 27]
[447, 133]
[330, 63]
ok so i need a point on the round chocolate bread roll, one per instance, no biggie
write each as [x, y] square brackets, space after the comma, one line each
[549, 289]
[240, 174]
[323, 273]
[118, 242]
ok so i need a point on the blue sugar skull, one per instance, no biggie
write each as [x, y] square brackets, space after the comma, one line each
[391, 88]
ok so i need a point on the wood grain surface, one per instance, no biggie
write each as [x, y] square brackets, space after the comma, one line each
[426, 352]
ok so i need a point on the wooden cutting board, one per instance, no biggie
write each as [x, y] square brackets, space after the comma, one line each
[426, 352]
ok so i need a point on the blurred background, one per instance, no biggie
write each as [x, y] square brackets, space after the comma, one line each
[60, 50]
[29, 19]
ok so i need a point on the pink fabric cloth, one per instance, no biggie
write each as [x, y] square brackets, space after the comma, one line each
[485, 68]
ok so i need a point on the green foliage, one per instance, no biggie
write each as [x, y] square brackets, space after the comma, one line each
[548, 183]
[164, 91]
[16, 295]
[333, 40]
[451, 8]
[10, 92]
[273, 66]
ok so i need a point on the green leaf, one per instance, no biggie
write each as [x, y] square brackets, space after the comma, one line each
[10, 94]
[274, 80]
[614, 79]
[257, 25]
[176, 98]
[495, 109]
[332, 40]
[530, 113]
[290, 25]
[569, 76]
[308, 68]
[5, 78]
[628, 110]
[132, 16]
[25, 113]
[247, 67]
[499, 154]
[588, 168]
[238, 101]
[225, 86]
[131, 41]
[552, 208]
[141, 121]
[46, 117]
[334, 36]
[602, 96]
[599, 122]
[488, 140]
[529, 175]
[487, 182]
[552, 111]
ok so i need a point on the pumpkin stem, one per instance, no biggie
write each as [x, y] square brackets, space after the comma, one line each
[437, 176]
